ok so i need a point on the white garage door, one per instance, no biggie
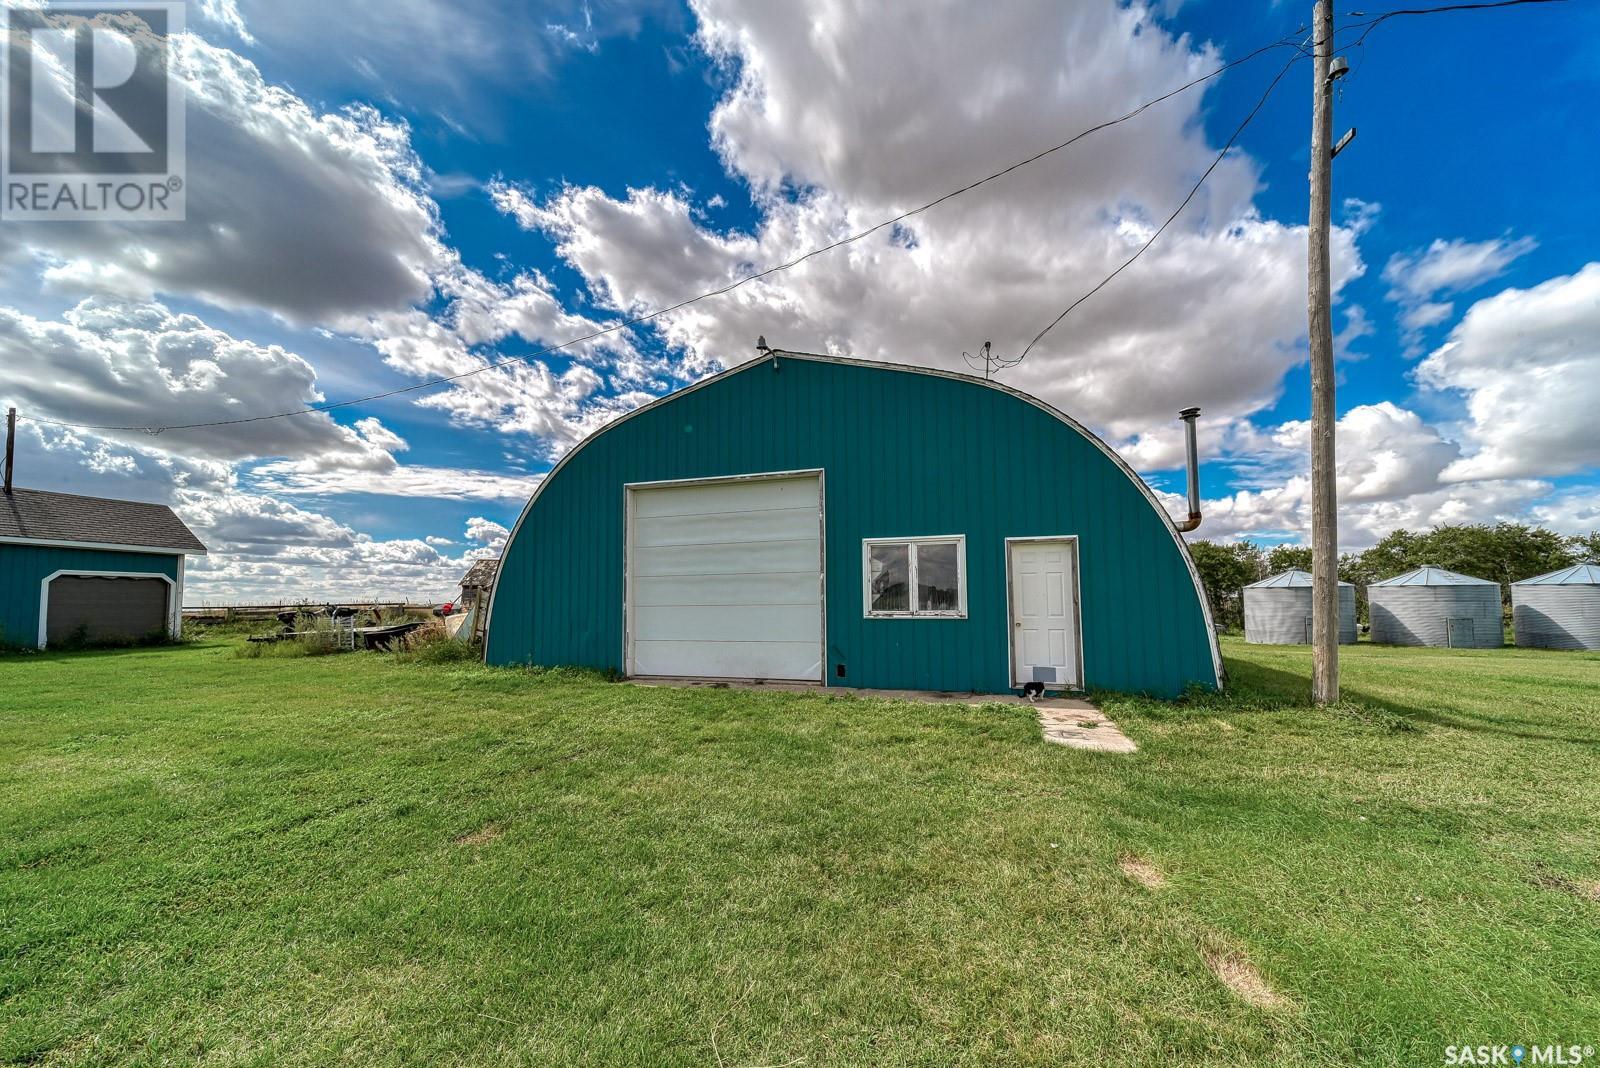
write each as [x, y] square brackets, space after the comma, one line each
[725, 579]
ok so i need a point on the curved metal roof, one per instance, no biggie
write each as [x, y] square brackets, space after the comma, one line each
[1292, 577]
[1428, 575]
[773, 356]
[1577, 575]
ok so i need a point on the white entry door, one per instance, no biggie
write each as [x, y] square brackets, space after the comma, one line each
[1044, 611]
[725, 579]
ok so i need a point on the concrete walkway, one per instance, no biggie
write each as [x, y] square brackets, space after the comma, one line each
[1082, 726]
[1069, 721]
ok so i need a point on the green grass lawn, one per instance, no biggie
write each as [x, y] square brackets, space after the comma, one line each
[347, 859]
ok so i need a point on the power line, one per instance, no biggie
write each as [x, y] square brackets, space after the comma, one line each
[1370, 25]
[1170, 218]
[659, 312]
[1379, 18]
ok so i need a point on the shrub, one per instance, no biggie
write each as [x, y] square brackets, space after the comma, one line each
[79, 641]
[433, 645]
[8, 648]
[269, 650]
[314, 636]
[236, 628]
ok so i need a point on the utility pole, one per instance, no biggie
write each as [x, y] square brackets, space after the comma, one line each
[1324, 488]
[11, 445]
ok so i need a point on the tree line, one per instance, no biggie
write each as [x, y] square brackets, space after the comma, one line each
[1503, 553]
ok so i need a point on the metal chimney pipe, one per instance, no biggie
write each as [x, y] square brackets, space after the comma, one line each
[11, 445]
[1189, 415]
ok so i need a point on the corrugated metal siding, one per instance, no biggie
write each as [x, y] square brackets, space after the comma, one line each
[24, 567]
[1281, 615]
[904, 455]
[1556, 617]
[1420, 615]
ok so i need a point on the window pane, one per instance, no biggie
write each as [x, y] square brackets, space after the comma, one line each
[890, 577]
[938, 584]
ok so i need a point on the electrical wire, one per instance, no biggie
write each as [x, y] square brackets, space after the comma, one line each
[659, 312]
[1367, 27]
[1370, 25]
[988, 361]
[1381, 17]
[1170, 218]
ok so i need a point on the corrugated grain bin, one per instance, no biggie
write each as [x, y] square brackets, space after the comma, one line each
[1277, 610]
[1560, 610]
[1435, 607]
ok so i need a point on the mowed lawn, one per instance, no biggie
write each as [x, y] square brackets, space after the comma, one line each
[206, 859]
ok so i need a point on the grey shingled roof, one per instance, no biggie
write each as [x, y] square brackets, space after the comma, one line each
[43, 515]
[481, 574]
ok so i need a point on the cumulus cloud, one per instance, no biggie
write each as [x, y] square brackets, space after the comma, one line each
[1391, 467]
[560, 409]
[527, 395]
[264, 549]
[70, 461]
[410, 480]
[1285, 511]
[258, 525]
[319, 218]
[323, 219]
[831, 132]
[110, 362]
[1572, 511]
[489, 535]
[1527, 362]
[834, 132]
[113, 363]
[1385, 452]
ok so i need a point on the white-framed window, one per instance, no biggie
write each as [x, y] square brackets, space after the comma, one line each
[915, 577]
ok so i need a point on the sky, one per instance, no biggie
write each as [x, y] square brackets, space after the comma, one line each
[380, 195]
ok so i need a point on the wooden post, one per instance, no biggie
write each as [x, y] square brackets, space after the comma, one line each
[1324, 478]
[11, 445]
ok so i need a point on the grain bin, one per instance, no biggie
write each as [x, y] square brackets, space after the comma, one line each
[1277, 610]
[1432, 606]
[1560, 610]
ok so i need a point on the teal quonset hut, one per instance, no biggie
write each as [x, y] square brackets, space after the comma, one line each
[856, 524]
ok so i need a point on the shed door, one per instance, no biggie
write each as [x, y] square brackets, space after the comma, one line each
[1044, 612]
[84, 608]
[725, 579]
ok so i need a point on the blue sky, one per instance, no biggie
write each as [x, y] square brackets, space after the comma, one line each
[382, 197]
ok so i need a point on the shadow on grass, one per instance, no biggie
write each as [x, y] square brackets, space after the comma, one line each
[1256, 684]
[12, 657]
